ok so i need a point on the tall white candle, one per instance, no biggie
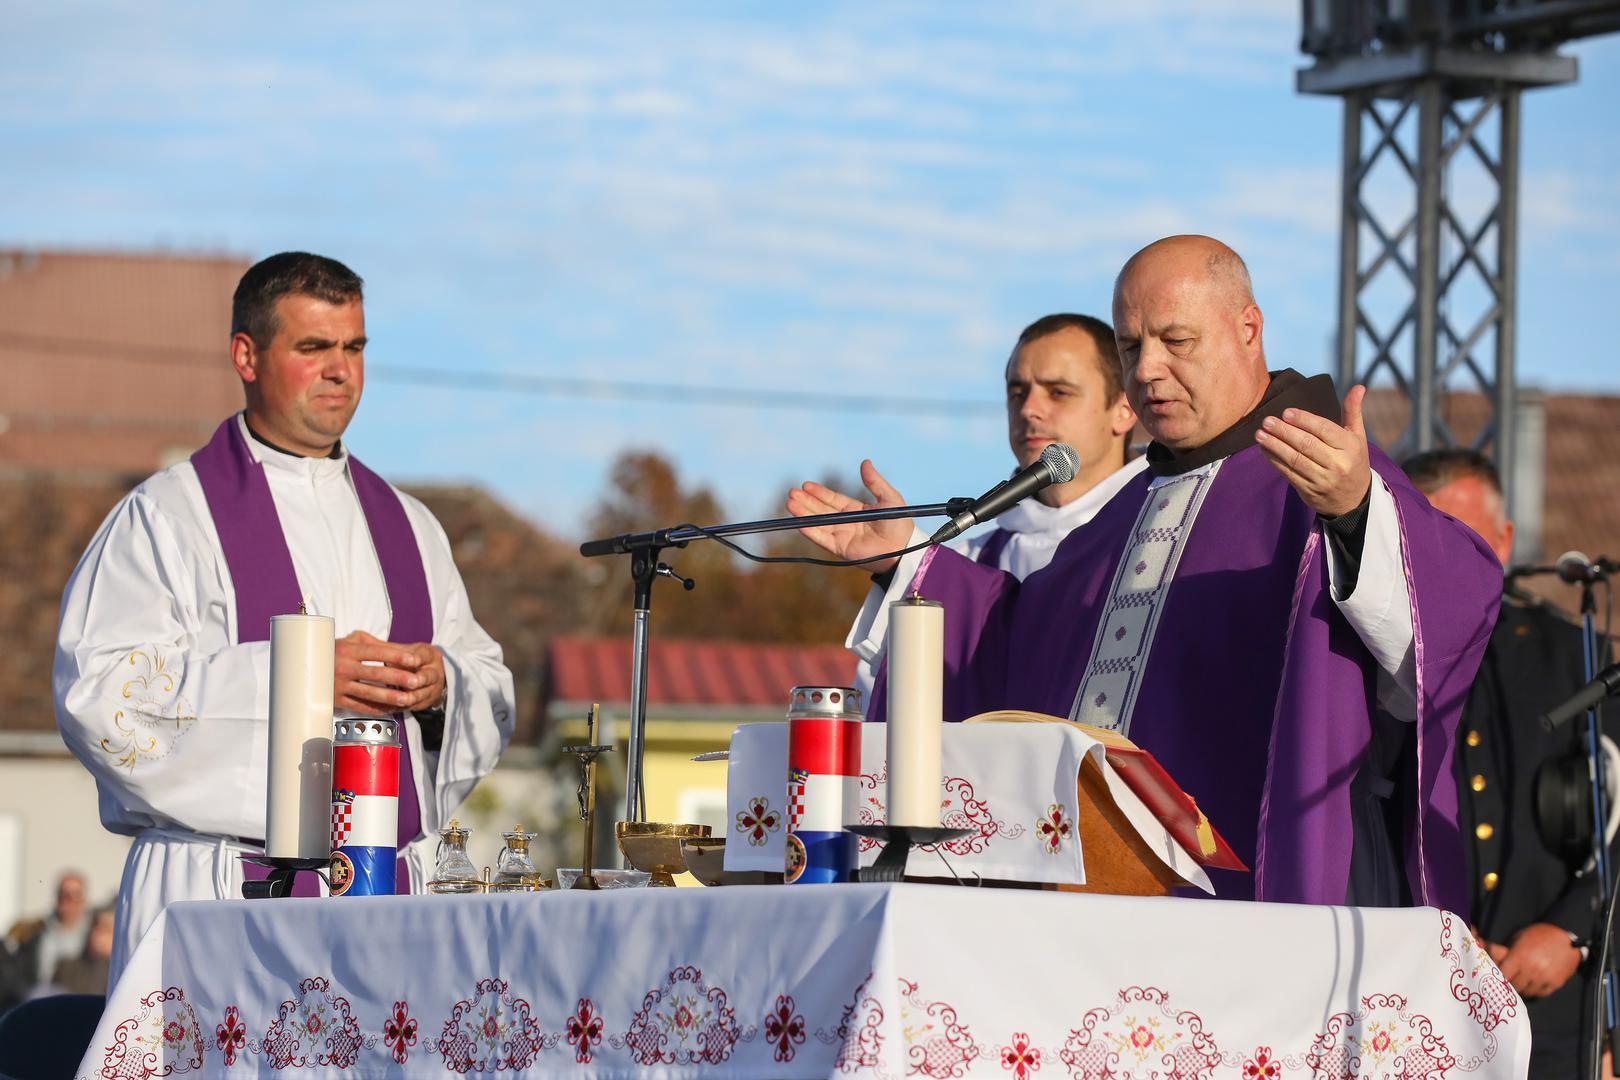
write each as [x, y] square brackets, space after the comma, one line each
[916, 676]
[299, 814]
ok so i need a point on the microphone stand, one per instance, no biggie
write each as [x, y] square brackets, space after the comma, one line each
[1606, 975]
[644, 549]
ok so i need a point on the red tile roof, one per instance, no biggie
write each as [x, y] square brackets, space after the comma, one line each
[684, 674]
[1580, 507]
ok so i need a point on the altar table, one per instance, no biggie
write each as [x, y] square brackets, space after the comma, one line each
[814, 981]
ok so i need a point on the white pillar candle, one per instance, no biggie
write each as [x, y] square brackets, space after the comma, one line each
[916, 677]
[299, 814]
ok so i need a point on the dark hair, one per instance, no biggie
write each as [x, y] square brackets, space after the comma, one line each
[253, 308]
[1434, 469]
[1100, 333]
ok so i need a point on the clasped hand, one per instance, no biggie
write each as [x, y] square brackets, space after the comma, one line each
[374, 677]
[1537, 960]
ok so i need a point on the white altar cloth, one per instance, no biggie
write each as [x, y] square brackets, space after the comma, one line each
[813, 981]
[1014, 785]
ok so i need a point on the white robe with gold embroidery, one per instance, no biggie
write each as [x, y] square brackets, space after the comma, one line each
[170, 714]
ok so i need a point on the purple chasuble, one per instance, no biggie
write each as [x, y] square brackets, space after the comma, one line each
[1258, 695]
[266, 584]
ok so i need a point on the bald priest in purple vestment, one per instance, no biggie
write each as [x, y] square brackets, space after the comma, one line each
[1271, 609]
[162, 660]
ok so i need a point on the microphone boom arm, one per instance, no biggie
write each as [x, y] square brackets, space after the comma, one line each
[644, 548]
[681, 535]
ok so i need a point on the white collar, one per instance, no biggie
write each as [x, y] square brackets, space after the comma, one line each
[1034, 516]
[281, 461]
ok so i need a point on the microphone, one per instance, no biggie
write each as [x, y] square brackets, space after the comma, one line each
[1576, 569]
[1607, 684]
[1057, 465]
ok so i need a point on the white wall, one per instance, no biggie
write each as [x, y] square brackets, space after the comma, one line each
[52, 802]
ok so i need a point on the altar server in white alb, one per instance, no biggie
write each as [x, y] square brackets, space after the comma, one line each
[162, 661]
[1063, 386]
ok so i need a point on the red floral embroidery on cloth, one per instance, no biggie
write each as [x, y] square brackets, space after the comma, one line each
[937, 1045]
[758, 820]
[683, 1021]
[784, 1027]
[1262, 1066]
[492, 1031]
[1140, 1036]
[162, 1039]
[315, 1028]
[1020, 1058]
[399, 1032]
[231, 1036]
[859, 1034]
[960, 808]
[584, 1031]
[1054, 828]
[872, 811]
[1477, 983]
[1382, 1037]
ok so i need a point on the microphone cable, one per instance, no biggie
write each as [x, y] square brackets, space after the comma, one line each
[809, 560]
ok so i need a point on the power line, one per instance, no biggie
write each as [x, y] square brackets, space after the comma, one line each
[541, 385]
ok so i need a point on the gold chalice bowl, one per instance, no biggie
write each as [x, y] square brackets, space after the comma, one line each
[655, 847]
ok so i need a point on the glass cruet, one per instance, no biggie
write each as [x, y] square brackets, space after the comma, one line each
[452, 867]
[513, 867]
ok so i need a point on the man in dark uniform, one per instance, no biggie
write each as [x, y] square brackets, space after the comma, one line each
[1536, 912]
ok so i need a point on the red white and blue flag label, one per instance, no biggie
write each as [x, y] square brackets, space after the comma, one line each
[823, 795]
[825, 747]
[364, 820]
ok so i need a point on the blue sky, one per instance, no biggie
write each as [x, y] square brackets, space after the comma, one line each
[840, 198]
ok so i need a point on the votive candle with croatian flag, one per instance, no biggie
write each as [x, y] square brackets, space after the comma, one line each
[365, 807]
[824, 775]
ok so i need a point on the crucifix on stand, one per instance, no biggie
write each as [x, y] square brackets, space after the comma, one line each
[586, 793]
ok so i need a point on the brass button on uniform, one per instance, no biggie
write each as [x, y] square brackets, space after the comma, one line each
[1477, 783]
[1484, 832]
[1473, 738]
[1490, 880]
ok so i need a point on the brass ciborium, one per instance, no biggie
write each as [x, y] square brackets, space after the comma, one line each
[655, 847]
[706, 859]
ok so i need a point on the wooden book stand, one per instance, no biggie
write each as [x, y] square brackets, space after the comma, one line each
[1117, 860]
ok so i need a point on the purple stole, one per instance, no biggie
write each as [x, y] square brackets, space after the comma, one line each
[266, 584]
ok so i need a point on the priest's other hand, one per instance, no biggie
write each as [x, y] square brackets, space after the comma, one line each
[862, 539]
[1540, 958]
[374, 677]
[1325, 463]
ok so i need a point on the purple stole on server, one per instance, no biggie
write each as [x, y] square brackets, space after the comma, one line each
[266, 584]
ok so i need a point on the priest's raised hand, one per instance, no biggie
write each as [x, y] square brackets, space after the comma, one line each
[860, 540]
[1327, 464]
[374, 677]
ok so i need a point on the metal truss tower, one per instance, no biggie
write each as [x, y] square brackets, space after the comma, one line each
[1429, 192]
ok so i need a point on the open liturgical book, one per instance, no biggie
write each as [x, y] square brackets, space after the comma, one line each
[1116, 859]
